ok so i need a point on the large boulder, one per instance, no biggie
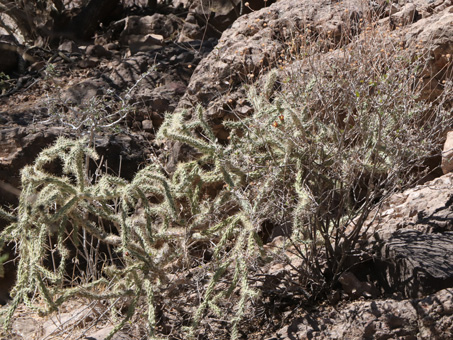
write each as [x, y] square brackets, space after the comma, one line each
[411, 239]
[259, 41]
[433, 33]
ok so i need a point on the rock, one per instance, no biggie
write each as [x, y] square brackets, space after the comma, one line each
[160, 99]
[88, 63]
[98, 51]
[447, 154]
[157, 24]
[426, 318]
[19, 146]
[83, 92]
[147, 125]
[65, 321]
[190, 30]
[411, 239]
[143, 43]
[254, 42]
[69, 46]
[72, 317]
[27, 328]
[432, 33]
[126, 72]
[407, 15]
[149, 32]
[418, 263]
[425, 208]
[103, 333]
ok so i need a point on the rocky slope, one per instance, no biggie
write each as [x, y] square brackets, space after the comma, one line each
[399, 286]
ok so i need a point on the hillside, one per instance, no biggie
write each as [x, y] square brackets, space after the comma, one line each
[227, 170]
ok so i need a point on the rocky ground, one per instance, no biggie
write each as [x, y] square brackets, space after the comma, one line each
[400, 285]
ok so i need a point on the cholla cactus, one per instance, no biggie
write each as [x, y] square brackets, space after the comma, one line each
[60, 206]
[67, 207]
